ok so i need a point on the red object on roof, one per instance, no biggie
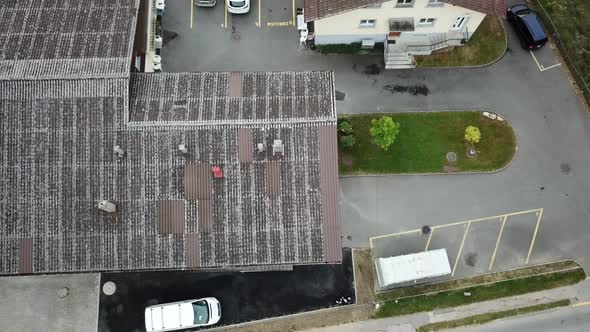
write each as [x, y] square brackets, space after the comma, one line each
[217, 172]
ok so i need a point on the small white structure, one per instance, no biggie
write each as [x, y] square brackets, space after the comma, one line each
[107, 206]
[412, 267]
[118, 151]
[277, 147]
[182, 148]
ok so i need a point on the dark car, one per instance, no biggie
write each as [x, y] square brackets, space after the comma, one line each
[528, 26]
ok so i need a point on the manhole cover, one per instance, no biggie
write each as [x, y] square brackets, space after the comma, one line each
[109, 288]
[63, 292]
[426, 230]
[452, 156]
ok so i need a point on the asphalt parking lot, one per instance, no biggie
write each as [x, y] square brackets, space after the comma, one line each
[243, 296]
[478, 246]
[211, 39]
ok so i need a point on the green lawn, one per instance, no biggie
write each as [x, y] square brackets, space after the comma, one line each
[423, 142]
[487, 44]
[572, 20]
[456, 298]
[491, 316]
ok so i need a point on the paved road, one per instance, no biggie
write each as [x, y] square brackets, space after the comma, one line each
[552, 129]
[565, 319]
[243, 296]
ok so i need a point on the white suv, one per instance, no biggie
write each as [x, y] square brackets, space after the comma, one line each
[238, 6]
[182, 315]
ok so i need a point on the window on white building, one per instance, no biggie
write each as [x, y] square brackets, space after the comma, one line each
[368, 23]
[460, 23]
[426, 21]
[434, 3]
[405, 3]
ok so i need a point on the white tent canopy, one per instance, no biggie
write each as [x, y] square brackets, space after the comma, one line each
[412, 267]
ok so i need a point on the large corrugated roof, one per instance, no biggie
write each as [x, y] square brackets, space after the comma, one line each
[66, 39]
[57, 163]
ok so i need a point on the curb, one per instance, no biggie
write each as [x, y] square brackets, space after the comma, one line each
[485, 64]
[441, 173]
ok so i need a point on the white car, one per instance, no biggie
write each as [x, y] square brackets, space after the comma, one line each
[182, 315]
[238, 6]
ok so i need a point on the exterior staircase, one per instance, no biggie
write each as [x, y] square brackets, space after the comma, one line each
[398, 59]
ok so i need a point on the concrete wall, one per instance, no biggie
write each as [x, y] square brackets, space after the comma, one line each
[345, 27]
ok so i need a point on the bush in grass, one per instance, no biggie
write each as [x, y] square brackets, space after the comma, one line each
[472, 134]
[347, 141]
[345, 127]
[384, 131]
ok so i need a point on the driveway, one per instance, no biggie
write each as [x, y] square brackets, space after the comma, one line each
[551, 170]
[243, 296]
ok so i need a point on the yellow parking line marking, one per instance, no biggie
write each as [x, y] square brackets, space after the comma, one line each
[460, 249]
[432, 228]
[225, 6]
[294, 16]
[259, 9]
[192, 12]
[547, 68]
[278, 24]
[580, 304]
[497, 243]
[428, 242]
[537, 62]
[534, 236]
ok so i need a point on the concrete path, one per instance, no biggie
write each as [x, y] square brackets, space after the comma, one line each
[411, 322]
[38, 303]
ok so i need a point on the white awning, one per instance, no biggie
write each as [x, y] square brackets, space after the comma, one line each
[412, 267]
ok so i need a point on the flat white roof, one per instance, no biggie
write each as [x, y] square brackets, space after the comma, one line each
[412, 267]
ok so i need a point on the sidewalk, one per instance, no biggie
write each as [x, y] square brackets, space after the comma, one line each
[576, 293]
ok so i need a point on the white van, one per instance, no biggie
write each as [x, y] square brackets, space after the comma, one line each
[182, 315]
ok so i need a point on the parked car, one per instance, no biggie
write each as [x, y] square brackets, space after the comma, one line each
[238, 6]
[182, 315]
[205, 3]
[528, 26]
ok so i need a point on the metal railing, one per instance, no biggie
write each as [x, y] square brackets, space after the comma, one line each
[570, 62]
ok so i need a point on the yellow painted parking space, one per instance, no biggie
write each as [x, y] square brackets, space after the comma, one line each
[461, 232]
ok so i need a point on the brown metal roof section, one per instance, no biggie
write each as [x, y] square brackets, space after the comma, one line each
[330, 194]
[205, 216]
[192, 251]
[316, 9]
[171, 216]
[273, 178]
[489, 7]
[235, 84]
[245, 148]
[197, 181]
[25, 256]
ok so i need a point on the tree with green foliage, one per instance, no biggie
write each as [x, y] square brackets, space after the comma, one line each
[384, 131]
[472, 134]
[347, 141]
[345, 127]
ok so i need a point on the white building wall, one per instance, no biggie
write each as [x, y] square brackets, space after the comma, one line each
[345, 27]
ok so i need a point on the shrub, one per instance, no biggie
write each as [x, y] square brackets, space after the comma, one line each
[345, 127]
[347, 141]
[384, 131]
[472, 134]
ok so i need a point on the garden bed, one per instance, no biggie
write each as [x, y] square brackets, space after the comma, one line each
[423, 142]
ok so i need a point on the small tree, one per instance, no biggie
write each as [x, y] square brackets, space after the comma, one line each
[345, 127]
[472, 134]
[384, 131]
[347, 141]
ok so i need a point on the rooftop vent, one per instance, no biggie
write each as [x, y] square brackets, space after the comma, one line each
[182, 148]
[120, 153]
[260, 147]
[107, 206]
[217, 172]
[278, 149]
